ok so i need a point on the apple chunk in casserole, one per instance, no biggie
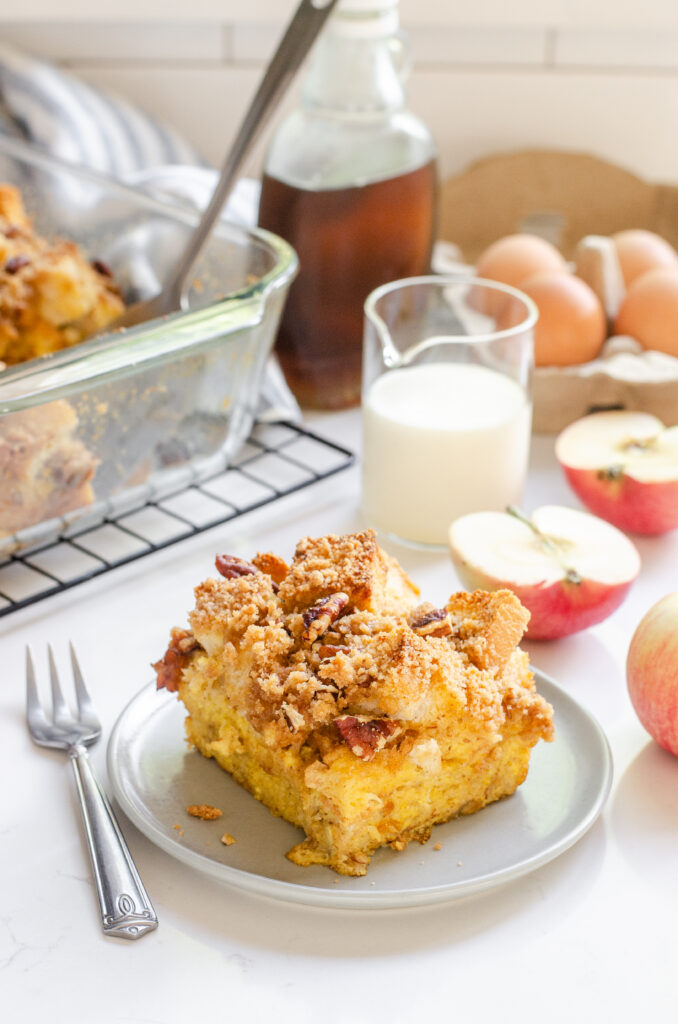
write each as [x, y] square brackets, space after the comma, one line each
[348, 707]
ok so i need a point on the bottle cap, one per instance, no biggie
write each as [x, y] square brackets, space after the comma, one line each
[366, 17]
[366, 6]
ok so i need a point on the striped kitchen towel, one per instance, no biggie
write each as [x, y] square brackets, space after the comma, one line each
[54, 110]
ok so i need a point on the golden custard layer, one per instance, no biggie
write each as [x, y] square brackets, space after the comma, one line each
[51, 296]
[348, 707]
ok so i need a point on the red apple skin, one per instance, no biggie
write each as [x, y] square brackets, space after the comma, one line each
[647, 508]
[559, 609]
[652, 672]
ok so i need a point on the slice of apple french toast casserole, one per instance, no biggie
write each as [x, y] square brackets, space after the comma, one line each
[348, 707]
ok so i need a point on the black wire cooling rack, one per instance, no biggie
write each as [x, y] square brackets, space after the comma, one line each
[277, 460]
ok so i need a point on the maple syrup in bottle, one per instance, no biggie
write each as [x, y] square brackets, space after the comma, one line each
[350, 182]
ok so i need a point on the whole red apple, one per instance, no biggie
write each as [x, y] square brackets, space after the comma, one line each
[652, 672]
[624, 467]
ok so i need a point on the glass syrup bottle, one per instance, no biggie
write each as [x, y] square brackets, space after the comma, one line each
[350, 181]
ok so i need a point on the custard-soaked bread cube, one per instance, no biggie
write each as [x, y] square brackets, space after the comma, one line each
[354, 565]
[45, 471]
[487, 625]
[347, 709]
[65, 288]
[51, 296]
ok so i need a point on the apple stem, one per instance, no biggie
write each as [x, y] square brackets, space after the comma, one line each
[547, 543]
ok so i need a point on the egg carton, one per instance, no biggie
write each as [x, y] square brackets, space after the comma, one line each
[565, 197]
[624, 376]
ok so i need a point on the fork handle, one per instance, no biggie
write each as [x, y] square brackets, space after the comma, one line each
[126, 911]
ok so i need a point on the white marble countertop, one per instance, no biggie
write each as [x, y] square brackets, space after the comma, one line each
[590, 936]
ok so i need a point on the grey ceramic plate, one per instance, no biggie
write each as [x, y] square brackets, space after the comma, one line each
[155, 777]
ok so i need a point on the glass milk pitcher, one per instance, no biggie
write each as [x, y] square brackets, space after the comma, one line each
[447, 409]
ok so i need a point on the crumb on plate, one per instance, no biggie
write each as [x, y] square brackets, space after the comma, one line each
[204, 811]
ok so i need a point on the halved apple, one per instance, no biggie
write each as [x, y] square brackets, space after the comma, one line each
[569, 568]
[624, 467]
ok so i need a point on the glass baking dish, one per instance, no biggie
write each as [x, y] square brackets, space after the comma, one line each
[134, 415]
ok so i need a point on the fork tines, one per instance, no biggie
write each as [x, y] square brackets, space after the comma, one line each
[62, 718]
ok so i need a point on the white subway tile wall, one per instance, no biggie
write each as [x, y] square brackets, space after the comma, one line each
[648, 49]
[474, 45]
[127, 43]
[598, 77]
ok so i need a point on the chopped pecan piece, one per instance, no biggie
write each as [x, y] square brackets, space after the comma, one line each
[366, 736]
[232, 567]
[15, 263]
[102, 268]
[329, 650]
[322, 614]
[432, 623]
[175, 659]
[168, 670]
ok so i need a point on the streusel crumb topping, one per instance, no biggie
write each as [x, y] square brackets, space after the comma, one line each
[333, 649]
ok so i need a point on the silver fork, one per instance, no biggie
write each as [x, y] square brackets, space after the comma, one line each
[126, 910]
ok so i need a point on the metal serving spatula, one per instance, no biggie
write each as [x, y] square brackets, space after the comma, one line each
[309, 18]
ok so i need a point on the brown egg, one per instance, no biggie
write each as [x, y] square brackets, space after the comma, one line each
[515, 257]
[571, 327]
[649, 313]
[639, 251]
